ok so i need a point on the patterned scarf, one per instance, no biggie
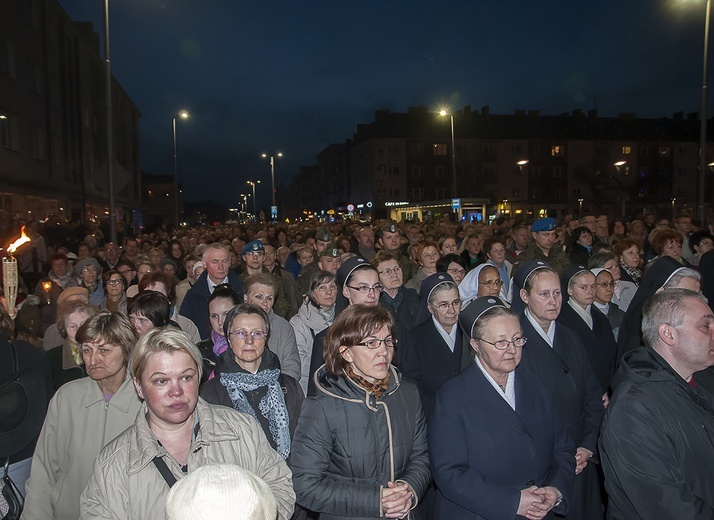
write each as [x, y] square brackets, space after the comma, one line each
[634, 272]
[272, 405]
[220, 343]
[395, 302]
[328, 315]
[377, 389]
[61, 281]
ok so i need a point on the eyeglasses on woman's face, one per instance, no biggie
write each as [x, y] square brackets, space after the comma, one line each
[503, 344]
[366, 289]
[256, 335]
[375, 343]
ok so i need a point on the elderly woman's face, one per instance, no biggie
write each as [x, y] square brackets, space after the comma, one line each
[631, 257]
[103, 361]
[582, 290]
[247, 350]
[372, 364]
[89, 274]
[489, 282]
[390, 274]
[72, 324]
[141, 323]
[445, 307]
[674, 249]
[429, 257]
[217, 312]
[325, 294]
[457, 272]
[499, 363]
[169, 385]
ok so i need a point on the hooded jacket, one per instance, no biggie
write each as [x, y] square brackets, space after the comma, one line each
[349, 445]
[657, 443]
[126, 485]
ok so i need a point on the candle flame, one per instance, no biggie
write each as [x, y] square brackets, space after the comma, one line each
[17, 243]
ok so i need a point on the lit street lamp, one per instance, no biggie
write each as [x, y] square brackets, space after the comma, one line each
[183, 115]
[580, 210]
[255, 212]
[453, 151]
[272, 176]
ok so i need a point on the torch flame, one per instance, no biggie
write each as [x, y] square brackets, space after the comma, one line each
[17, 243]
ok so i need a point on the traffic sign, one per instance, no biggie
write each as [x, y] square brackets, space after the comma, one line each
[350, 207]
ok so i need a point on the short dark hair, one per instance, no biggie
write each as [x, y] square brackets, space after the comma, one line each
[152, 305]
[106, 276]
[317, 279]
[349, 328]
[443, 263]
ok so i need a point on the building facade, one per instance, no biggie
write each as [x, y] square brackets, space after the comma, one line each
[53, 120]
[523, 165]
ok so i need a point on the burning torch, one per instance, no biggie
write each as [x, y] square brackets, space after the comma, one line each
[9, 273]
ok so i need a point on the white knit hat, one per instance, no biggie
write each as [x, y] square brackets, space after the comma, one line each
[221, 492]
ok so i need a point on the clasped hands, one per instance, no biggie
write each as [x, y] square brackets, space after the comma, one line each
[536, 502]
[396, 500]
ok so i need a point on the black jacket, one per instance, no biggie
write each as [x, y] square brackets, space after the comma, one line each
[599, 342]
[407, 311]
[657, 443]
[428, 361]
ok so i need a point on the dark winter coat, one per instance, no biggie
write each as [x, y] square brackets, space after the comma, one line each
[657, 443]
[349, 445]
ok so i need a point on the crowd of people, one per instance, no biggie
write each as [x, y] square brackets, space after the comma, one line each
[445, 370]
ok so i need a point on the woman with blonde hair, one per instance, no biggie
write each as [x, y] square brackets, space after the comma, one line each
[175, 433]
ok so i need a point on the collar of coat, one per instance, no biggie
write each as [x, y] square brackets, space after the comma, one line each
[143, 446]
[346, 389]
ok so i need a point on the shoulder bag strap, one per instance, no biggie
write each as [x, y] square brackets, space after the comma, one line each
[164, 470]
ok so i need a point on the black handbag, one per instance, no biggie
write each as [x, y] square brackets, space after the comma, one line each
[14, 501]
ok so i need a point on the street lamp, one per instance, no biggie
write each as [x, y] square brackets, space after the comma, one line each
[272, 176]
[703, 116]
[183, 115]
[255, 211]
[110, 137]
[453, 151]
[580, 210]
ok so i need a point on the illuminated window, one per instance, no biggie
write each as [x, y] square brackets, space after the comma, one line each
[557, 150]
[440, 149]
[626, 150]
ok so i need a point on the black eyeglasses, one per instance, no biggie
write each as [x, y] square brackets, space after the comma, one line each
[503, 344]
[375, 343]
[366, 289]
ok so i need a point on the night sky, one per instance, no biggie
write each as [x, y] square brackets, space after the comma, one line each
[295, 76]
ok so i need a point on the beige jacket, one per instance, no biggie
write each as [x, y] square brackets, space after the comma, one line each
[78, 425]
[126, 485]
